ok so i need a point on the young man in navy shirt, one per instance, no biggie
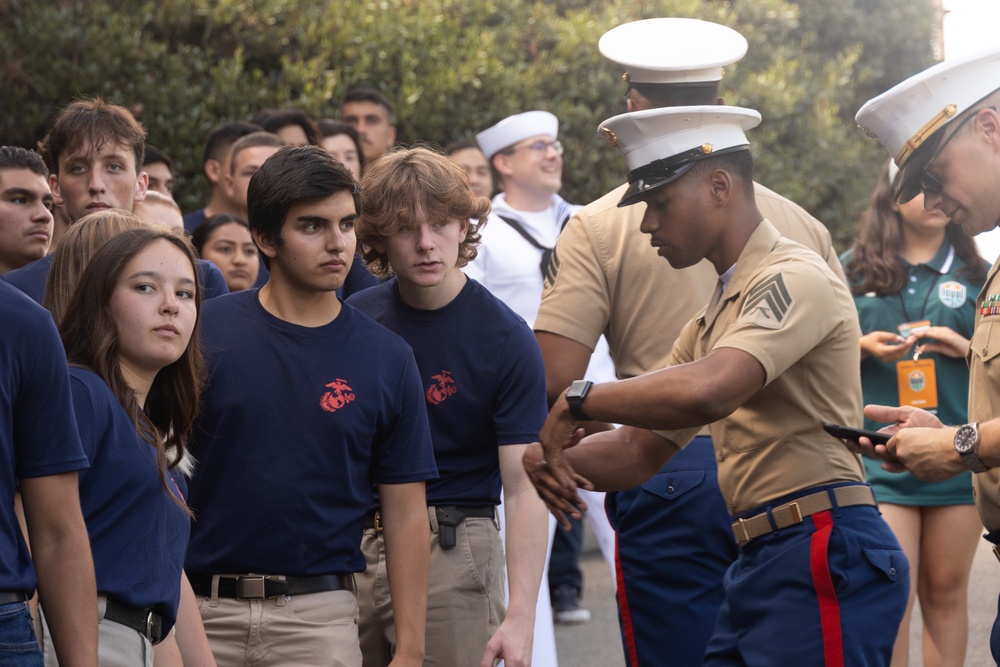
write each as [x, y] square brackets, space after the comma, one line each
[25, 208]
[40, 455]
[94, 153]
[484, 386]
[309, 404]
[218, 148]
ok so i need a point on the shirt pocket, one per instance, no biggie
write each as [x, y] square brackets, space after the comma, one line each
[984, 368]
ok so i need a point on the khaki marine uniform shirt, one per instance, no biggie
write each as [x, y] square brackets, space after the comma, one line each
[610, 280]
[787, 309]
[984, 391]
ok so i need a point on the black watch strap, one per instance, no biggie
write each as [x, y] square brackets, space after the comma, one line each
[574, 397]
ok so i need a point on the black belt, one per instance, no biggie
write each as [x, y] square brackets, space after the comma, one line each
[267, 586]
[373, 519]
[7, 597]
[146, 622]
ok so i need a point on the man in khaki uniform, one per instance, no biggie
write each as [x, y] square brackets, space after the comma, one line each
[609, 280]
[942, 128]
[772, 357]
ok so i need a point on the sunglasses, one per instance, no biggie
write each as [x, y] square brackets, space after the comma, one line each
[927, 182]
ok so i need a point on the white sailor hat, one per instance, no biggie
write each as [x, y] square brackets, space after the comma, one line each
[660, 145]
[517, 128]
[909, 118]
[673, 50]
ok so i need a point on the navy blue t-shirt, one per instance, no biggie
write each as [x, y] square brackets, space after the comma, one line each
[38, 434]
[297, 424]
[138, 534]
[193, 219]
[358, 279]
[483, 381]
[32, 278]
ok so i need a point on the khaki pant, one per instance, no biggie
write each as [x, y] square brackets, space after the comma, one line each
[117, 644]
[465, 602]
[314, 629]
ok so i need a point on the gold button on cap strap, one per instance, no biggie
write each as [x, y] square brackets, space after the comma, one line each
[789, 514]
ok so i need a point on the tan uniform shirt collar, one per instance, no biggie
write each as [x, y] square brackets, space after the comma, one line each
[760, 243]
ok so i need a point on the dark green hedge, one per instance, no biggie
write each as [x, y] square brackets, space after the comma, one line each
[455, 66]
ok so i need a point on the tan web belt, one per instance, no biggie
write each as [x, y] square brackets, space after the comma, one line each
[789, 514]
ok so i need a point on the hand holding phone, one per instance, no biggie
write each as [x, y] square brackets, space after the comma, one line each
[850, 433]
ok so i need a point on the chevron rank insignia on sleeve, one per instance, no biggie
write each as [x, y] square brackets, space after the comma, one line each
[768, 304]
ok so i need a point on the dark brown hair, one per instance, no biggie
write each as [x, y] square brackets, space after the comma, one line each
[292, 175]
[203, 232]
[221, 138]
[875, 265]
[98, 123]
[332, 128]
[273, 120]
[15, 157]
[407, 180]
[91, 340]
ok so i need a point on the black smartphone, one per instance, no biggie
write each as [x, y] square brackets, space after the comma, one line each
[849, 433]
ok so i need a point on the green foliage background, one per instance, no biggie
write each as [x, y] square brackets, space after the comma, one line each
[453, 67]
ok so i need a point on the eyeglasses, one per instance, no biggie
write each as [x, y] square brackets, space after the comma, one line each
[542, 146]
[929, 183]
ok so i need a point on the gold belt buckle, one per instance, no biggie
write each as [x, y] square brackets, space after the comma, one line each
[745, 539]
[796, 512]
[378, 521]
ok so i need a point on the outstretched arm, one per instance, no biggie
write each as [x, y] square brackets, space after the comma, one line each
[688, 395]
[566, 360]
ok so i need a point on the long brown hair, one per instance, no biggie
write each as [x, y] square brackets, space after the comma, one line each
[76, 247]
[91, 341]
[875, 264]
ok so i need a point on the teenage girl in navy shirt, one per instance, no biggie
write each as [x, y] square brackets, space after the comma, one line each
[136, 380]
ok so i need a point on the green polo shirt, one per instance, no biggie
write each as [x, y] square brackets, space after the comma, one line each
[932, 292]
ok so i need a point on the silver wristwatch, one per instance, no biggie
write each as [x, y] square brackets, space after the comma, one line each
[966, 442]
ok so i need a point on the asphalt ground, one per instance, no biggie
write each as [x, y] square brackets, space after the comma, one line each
[598, 643]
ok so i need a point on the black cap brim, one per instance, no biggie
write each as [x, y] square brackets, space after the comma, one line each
[640, 188]
[658, 173]
[910, 174]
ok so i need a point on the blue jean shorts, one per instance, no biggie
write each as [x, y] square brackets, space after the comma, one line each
[18, 643]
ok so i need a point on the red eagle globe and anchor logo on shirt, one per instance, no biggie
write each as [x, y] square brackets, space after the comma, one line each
[443, 387]
[340, 394]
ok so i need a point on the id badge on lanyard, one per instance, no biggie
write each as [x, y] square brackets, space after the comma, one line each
[916, 378]
[917, 382]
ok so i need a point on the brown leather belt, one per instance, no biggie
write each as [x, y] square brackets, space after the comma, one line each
[789, 514]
